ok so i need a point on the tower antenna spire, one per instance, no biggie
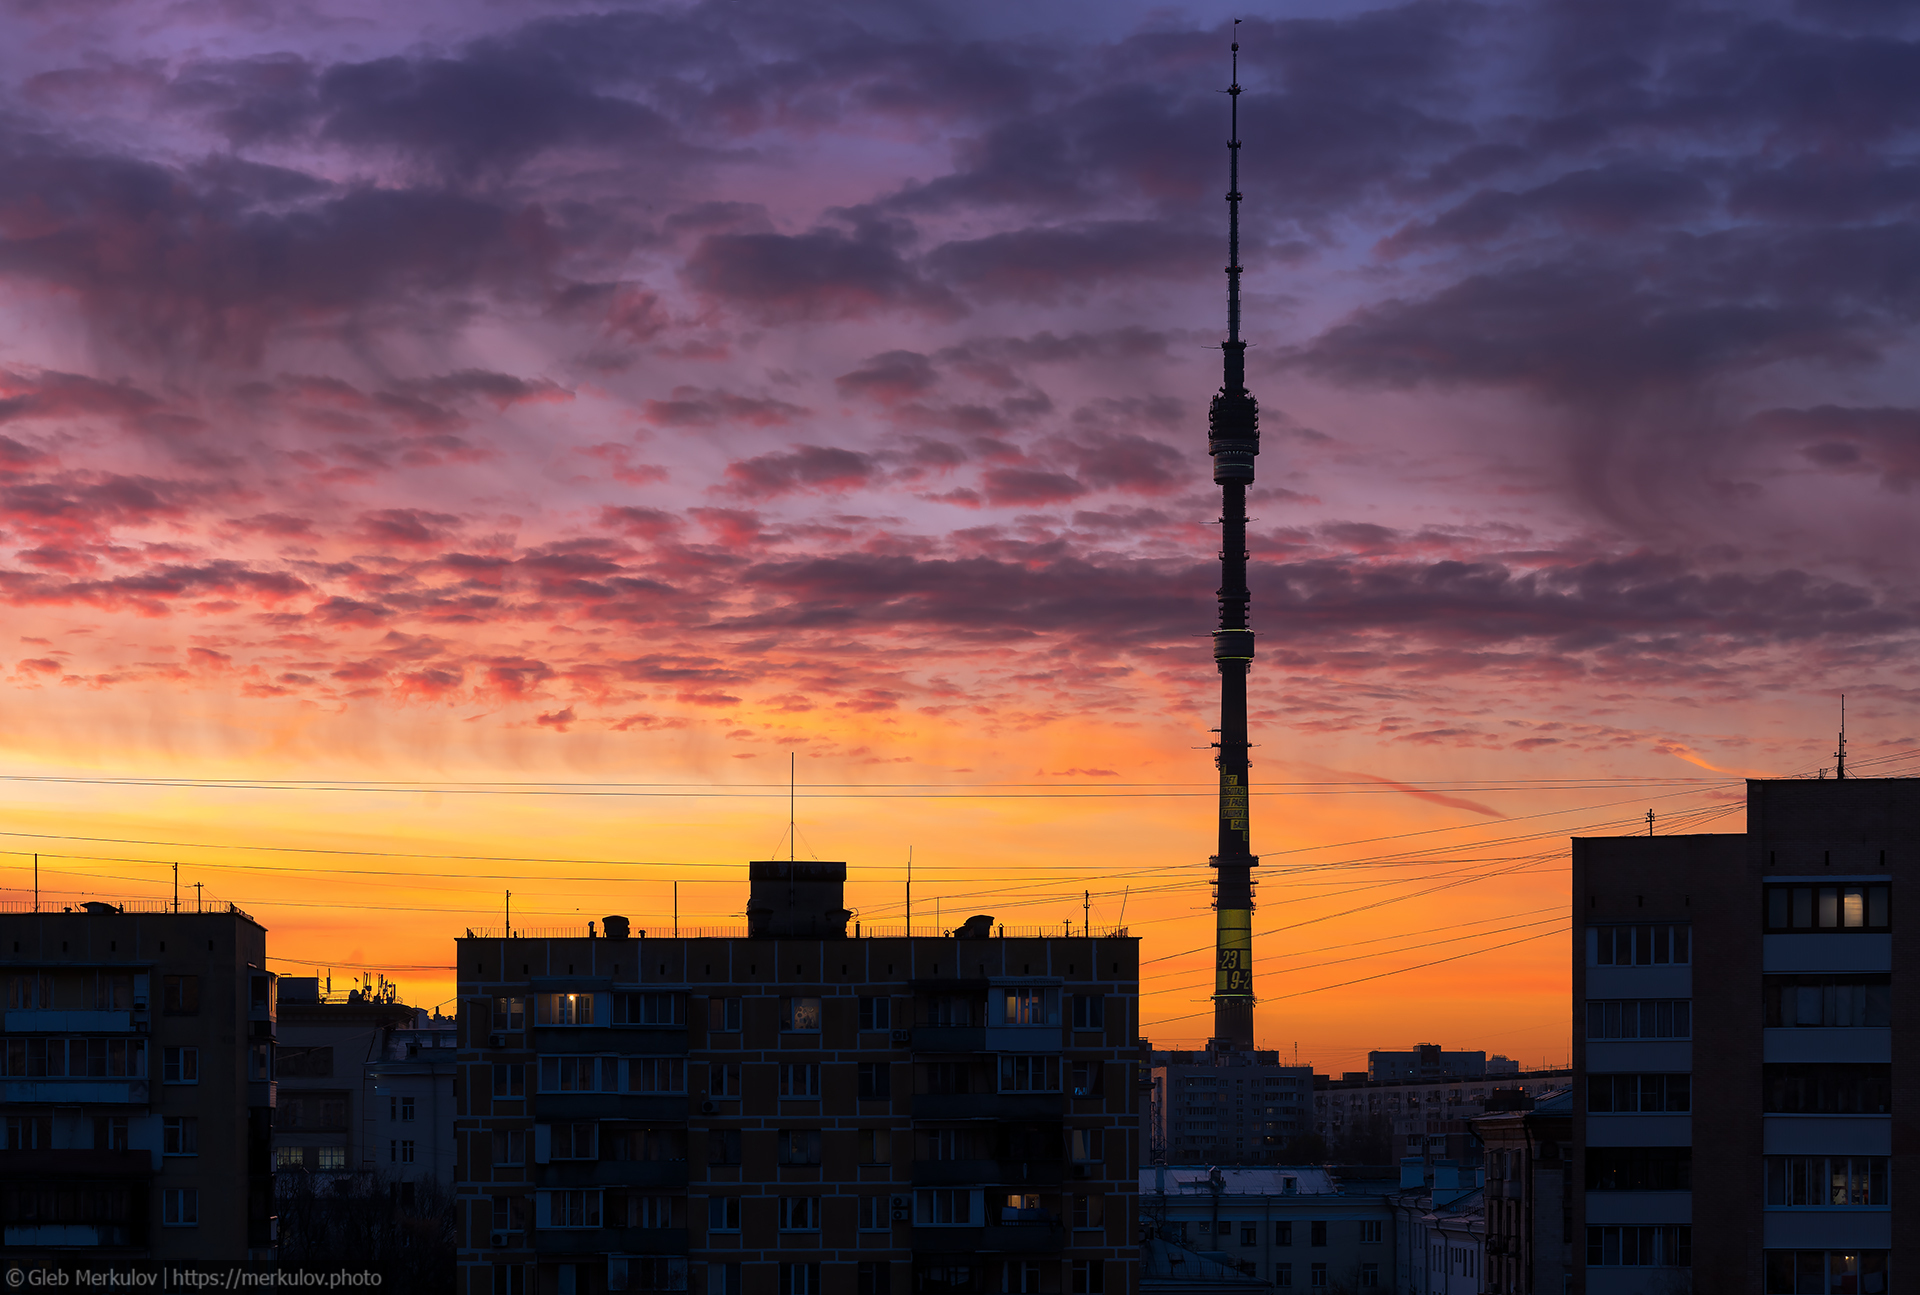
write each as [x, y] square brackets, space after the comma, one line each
[1233, 440]
[1840, 753]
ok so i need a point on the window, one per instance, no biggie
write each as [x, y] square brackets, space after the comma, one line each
[332, 1158]
[1249, 1234]
[1639, 1018]
[312, 1112]
[578, 1074]
[876, 1013]
[30, 991]
[29, 1132]
[799, 1213]
[509, 1081]
[650, 1145]
[799, 1279]
[1087, 1076]
[573, 1209]
[1318, 1232]
[871, 1279]
[876, 1146]
[510, 1147]
[648, 1009]
[801, 1015]
[180, 996]
[110, 1133]
[1089, 1276]
[723, 1213]
[657, 1075]
[1091, 1212]
[873, 1214]
[400, 1110]
[1370, 1232]
[510, 1279]
[1369, 1276]
[799, 1146]
[1029, 1074]
[289, 1157]
[1026, 1006]
[1639, 1169]
[300, 1063]
[723, 1079]
[1631, 1247]
[1659, 944]
[1639, 1093]
[1089, 1012]
[1813, 1001]
[947, 1009]
[944, 1207]
[400, 1151]
[1858, 908]
[723, 1279]
[1827, 1088]
[723, 1146]
[260, 1061]
[875, 1080]
[946, 1076]
[180, 1207]
[1826, 1180]
[179, 1135]
[1317, 1276]
[723, 1015]
[1283, 1276]
[1283, 1234]
[563, 1009]
[576, 1140]
[799, 1079]
[1083, 1145]
[630, 1272]
[1791, 1271]
[509, 1013]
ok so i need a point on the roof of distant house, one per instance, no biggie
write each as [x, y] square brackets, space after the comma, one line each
[1264, 1180]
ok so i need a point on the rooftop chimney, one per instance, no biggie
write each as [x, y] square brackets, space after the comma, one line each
[797, 900]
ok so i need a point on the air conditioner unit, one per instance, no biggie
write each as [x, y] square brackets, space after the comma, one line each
[496, 1040]
[902, 1209]
[902, 1038]
[708, 1108]
[501, 1239]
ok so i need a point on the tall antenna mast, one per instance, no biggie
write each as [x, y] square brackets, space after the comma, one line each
[793, 769]
[1233, 440]
[1840, 770]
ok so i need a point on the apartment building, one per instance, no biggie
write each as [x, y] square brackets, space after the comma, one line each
[324, 1123]
[138, 1084]
[412, 1089]
[1430, 1119]
[1222, 1106]
[1757, 968]
[787, 1111]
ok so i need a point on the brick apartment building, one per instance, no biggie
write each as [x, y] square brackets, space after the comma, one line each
[795, 1112]
[1745, 1083]
[137, 1077]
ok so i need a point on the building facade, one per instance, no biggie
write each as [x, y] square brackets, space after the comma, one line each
[138, 1084]
[1426, 1120]
[1529, 1196]
[792, 1112]
[1224, 1107]
[1439, 1228]
[1291, 1228]
[1425, 1064]
[1759, 968]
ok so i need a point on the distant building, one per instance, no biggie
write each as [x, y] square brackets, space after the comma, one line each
[1743, 1059]
[1225, 1107]
[792, 1112]
[1424, 1065]
[1428, 1120]
[138, 1084]
[1291, 1228]
[1530, 1246]
[366, 1089]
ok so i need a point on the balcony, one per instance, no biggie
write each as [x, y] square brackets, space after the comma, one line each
[949, 1038]
[612, 1173]
[1025, 1237]
[69, 1236]
[603, 1241]
[987, 1173]
[73, 1022]
[74, 1092]
[653, 1241]
[988, 1106]
[669, 1108]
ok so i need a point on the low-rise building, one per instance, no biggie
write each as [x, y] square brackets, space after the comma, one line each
[137, 1076]
[1427, 1120]
[1529, 1195]
[325, 1123]
[411, 1086]
[1439, 1227]
[1292, 1228]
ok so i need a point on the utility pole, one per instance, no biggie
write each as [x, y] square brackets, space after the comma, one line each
[1649, 822]
[1086, 910]
[176, 885]
[197, 905]
[36, 883]
[676, 910]
[509, 914]
[909, 892]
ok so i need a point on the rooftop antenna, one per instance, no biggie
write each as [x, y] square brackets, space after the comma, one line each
[792, 773]
[1840, 770]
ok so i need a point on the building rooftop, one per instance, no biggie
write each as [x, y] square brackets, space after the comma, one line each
[1265, 1180]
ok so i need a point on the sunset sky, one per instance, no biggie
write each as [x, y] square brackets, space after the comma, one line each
[448, 448]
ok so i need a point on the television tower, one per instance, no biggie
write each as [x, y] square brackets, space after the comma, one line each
[1233, 439]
